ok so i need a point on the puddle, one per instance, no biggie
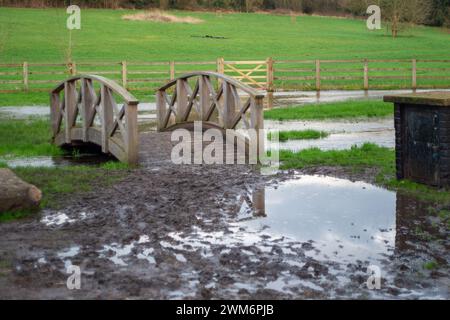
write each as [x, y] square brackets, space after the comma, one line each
[58, 161]
[342, 134]
[285, 99]
[325, 233]
[118, 254]
[345, 220]
[60, 218]
[146, 112]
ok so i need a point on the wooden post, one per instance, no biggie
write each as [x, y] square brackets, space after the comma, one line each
[205, 101]
[172, 70]
[414, 75]
[124, 74]
[25, 76]
[270, 75]
[221, 65]
[106, 116]
[182, 100]
[220, 69]
[54, 112]
[87, 104]
[366, 75]
[318, 75]
[70, 105]
[257, 115]
[72, 68]
[161, 105]
[132, 136]
[228, 106]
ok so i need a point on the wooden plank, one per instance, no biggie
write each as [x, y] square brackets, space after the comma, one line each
[414, 74]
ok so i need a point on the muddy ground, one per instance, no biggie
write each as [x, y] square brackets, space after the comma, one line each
[171, 232]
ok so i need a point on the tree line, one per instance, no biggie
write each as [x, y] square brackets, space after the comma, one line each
[428, 12]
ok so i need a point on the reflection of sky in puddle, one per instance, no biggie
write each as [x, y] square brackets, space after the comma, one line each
[289, 98]
[61, 218]
[346, 220]
[342, 141]
[117, 253]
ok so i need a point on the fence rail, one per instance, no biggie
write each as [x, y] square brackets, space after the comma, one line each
[269, 74]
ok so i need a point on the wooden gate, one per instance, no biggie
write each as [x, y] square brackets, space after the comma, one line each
[253, 73]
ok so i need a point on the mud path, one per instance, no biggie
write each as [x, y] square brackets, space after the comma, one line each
[170, 232]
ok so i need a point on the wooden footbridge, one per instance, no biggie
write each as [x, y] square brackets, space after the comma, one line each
[93, 109]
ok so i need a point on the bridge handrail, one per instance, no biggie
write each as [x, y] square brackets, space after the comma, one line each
[127, 96]
[242, 86]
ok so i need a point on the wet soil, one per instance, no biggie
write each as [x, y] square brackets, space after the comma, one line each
[176, 232]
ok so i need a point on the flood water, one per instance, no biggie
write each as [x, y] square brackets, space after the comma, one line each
[347, 226]
[58, 161]
[290, 98]
[343, 134]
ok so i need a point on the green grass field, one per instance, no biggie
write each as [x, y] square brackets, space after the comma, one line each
[40, 36]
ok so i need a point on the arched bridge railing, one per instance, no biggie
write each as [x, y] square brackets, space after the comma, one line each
[215, 99]
[86, 108]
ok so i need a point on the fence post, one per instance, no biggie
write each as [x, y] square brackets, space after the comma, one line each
[414, 75]
[124, 74]
[72, 68]
[270, 76]
[317, 75]
[25, 76]
[172, 70]
[221, 65]
[366, 75]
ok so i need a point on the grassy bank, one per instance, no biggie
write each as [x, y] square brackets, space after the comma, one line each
[339, 110]
[60, 184]
[26, 138]
[284, 136]
[358, 159]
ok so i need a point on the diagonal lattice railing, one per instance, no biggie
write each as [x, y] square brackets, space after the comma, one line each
[84, 109]
[217, 100]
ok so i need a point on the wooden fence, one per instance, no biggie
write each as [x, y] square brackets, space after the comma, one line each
[269, 74]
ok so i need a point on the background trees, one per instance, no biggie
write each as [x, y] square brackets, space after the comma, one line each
[395, 12]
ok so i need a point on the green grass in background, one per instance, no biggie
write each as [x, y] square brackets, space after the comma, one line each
[348, 109]
[41, 35]
[299, 135]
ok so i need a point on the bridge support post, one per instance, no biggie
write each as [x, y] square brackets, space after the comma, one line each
[161, 106]
[257, 114]
[69, 110]
[132, 137]
[107, 117]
